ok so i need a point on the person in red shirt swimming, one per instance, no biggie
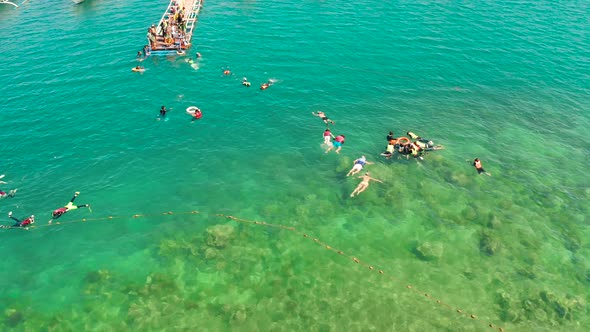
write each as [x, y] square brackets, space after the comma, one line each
[70, 206]
[24, 223]
[327, 137]
[338, 141]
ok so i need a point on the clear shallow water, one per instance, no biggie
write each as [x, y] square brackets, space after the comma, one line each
[504, 82]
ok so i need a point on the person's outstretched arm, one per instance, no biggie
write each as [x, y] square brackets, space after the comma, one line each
[377, 180]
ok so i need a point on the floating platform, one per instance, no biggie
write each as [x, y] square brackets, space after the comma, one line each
[174, 34]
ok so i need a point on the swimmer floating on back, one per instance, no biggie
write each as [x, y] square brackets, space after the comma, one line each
[323, 116]
[70, 206]
[138, 69]
[24, 223]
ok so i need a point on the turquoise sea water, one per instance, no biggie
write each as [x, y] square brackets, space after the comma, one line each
[503, 81]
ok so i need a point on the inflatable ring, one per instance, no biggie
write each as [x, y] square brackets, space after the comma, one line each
[405, 140]
[192, 110]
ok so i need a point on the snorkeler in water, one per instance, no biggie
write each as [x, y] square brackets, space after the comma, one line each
[338, 141]
[323, 116]
[70, 206]
[478, 166]
[364, 184]
[9, 194]
[266, 85]
[20, 223]
[358, 165]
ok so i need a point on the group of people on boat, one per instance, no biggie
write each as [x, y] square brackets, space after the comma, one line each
[29, 221]
[171, 32]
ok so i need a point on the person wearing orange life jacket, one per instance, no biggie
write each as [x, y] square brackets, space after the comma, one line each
[416, 150]
[389, 150]
[423, 143]
[478, 166]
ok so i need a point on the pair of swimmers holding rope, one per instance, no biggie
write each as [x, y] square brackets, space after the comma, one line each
[26, 223]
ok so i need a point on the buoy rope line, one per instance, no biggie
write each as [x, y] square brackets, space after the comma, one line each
[352, 258]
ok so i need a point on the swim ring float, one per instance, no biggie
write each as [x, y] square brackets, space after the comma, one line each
[403, 141]
[194, 111]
